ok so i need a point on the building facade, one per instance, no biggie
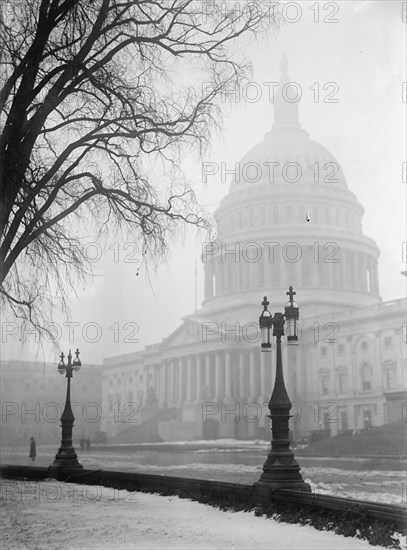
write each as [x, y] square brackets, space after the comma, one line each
[33, 399]
[289, 219]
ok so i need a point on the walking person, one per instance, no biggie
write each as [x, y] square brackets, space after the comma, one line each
[82, 443]
[33, 449]
[88, 443]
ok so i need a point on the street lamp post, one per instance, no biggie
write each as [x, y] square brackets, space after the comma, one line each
[280, 470]
[66, 458]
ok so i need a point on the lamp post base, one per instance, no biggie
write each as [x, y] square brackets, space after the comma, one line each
[66, 461]
[281, 471]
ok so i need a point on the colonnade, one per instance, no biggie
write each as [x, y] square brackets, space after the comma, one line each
[329, 267]
[221, 375]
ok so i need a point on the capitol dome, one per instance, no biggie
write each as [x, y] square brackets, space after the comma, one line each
[290, 219]
[287, 154]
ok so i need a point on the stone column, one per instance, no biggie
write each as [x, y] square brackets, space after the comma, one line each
[208, 372]
[198, 372]
[162, 385]
[189, 379]
[228, 378]
[218, 386]
[252, 375]
[181, 396]
[172, 382]
[242, 390]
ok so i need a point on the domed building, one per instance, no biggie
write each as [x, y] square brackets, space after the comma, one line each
[289, 218]
[293, 219]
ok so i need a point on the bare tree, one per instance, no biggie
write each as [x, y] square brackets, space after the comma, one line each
[92, 91]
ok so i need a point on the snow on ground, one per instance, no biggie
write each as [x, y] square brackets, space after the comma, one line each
[49, 514]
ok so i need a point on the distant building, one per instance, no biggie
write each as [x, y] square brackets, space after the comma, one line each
[289, 218]
[33, 399]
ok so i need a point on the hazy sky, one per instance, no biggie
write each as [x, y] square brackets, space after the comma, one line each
[364, 54]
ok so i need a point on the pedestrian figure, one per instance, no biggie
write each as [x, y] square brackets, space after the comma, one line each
[82, 443]
[33, 450]
[88, 443]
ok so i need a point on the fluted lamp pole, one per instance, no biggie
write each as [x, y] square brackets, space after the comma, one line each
[281, 470]
[66, 459]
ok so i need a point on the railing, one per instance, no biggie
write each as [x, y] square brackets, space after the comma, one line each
[215, 491]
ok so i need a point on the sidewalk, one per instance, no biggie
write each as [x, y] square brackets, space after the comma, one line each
[51, 514]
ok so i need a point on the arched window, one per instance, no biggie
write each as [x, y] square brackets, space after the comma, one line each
[366, 374]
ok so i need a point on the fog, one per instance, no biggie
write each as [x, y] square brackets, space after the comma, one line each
[357, 53]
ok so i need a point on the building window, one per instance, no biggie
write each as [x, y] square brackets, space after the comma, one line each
[324, 351]
[365, 346]
[366, 374]
[341, 348]
[325, 383]
[390, 372]
[342, 380]
[388, 342]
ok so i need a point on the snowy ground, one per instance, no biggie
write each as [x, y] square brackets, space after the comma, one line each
[49, 514]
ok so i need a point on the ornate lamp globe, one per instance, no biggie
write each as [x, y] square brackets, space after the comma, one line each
[61, 365]
[265, 326]
[76, 365]
[291, 317]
